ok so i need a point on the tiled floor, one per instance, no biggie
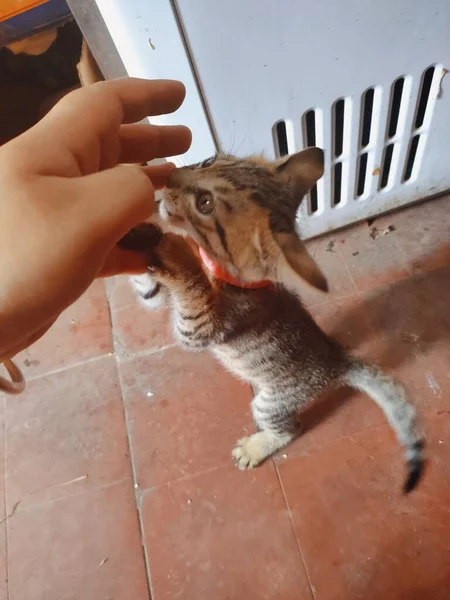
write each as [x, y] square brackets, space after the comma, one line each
[119, 483]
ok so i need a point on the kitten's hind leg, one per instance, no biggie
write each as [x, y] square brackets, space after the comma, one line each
[277, 427]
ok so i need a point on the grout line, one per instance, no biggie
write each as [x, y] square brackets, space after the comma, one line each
[300, 551]
[123, 308]
[184, 478]
[142, 353]
[347, 269]
[110, 315]
[332, 300]
[404, 255]
[52, 501]
[137, 491]
[315, 446]
[67, 367]
[5, 496]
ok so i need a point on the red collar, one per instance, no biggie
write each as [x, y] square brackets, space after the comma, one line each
[224, 276]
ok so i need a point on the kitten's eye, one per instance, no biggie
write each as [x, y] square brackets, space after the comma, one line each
[205, 203]
[208, 162]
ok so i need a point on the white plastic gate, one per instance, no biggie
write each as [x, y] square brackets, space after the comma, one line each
[364, 80]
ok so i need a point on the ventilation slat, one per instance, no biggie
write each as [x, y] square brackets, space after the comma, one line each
[424, 97]
[338, 123]
[309, 126]
[386, 169]
[367, 116]
[281, 139]
[396, 102]
[362, 170]
[338, 120]
[337, 183]
[310, 139]
[412, 153]
[313, 202]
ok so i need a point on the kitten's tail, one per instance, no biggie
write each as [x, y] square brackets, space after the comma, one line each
[392, 399]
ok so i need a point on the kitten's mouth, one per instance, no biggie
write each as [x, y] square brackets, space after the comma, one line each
[167, 215]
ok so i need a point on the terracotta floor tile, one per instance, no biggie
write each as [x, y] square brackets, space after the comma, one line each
[67, 427]
[3, 564]
[436, 425]
[337, 415]
[325, 252]
[346, 321]
[427, 251]
[136, 328]
[413, 314]
[372, 262]
[120, 292]
[222, 535]
[436, 374]
[2, 459]
[83, 331]
[420, 217]
[185, 414]
[360, 537]
[426, 217]
[84, 547]
[423, 236]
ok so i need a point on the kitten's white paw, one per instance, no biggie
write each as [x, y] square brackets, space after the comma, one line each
[151, 293]
[250, 451]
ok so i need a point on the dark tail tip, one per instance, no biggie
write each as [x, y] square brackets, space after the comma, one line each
[416, 466]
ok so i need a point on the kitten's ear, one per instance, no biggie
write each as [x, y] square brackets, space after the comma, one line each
[300, 261]
[304, 168]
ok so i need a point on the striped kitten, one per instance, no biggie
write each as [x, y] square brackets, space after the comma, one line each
[233, 291]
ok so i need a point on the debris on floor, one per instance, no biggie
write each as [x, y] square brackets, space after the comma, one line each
[433, 384]
[376, 233]
[14, 508]
[330, 246]
[410, 337]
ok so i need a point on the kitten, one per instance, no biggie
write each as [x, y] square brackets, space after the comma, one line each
[234, 291]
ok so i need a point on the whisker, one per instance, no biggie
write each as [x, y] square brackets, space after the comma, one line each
[245, 135]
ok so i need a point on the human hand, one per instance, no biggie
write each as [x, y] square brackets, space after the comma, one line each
[65, 201]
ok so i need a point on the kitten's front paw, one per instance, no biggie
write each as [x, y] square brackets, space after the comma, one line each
[152, 293]
[142, 238]
[250, 451]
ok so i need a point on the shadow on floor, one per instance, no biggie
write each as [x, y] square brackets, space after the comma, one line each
[407, 320]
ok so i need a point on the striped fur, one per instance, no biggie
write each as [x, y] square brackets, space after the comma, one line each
[264, 336]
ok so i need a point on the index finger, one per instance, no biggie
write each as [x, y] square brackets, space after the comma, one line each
[126, 100]
[81, 133]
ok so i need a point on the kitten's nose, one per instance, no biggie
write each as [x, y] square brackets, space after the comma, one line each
[177, 177]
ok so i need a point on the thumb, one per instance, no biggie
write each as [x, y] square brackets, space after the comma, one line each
[111, 202]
